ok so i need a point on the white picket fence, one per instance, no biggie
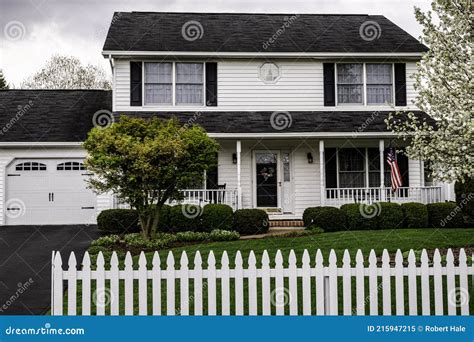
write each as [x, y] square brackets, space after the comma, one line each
[429, 287]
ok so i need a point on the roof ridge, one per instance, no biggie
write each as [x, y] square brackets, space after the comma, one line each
[253, 13]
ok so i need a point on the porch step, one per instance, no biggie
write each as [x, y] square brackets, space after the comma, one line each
[286, 223]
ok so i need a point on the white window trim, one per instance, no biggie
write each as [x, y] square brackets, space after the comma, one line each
[364, 86]
[173, 86]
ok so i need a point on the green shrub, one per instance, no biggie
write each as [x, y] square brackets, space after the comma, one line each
[354, 218]
[224, 235]
[330, 219]
[118, 221]
[445, 215]
[217, 216]
[106, 241]
[192, 236]
[465, 197]
[161, 241]
[184, 217]
[390, 215]
[415, 215]
[165, 218]
[251, 221]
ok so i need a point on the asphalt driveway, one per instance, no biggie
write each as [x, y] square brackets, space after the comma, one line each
[25, 263]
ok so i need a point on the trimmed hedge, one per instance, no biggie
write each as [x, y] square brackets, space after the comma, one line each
[354, 218]
[251, 221]
[118, 221]
[184, 217]
[330, 219]
[415, 214]
[217, 216]
[390, 215]
[445, 215]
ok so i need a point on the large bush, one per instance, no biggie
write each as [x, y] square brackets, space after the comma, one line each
[217, 216]
[251, 221]
[465, 197]
[184, 217]
[390, 215]
[354, 218]
[445, 215]
[330, 219]
[118, 221]
[415, 214]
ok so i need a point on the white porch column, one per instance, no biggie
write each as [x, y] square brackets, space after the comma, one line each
[322, 175]
[238, 149]
[382, 170]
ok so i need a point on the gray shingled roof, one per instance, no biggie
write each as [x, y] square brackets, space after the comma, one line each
[49, 115]
[226, 32]
[281, 122]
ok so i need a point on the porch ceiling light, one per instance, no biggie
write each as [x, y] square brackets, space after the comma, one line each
[310, 158]
[234, 158]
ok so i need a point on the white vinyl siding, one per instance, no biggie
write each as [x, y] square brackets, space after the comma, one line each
[300, 87]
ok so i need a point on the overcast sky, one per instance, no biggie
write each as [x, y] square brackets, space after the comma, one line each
[41, 28]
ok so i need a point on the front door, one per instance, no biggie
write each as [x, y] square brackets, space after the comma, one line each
[267, 182]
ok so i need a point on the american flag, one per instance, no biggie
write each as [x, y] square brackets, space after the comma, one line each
[395, 176]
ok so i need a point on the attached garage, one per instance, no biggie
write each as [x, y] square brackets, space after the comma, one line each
[42, 174]
[48, 191]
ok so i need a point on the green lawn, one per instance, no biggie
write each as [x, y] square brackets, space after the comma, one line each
[404, 239]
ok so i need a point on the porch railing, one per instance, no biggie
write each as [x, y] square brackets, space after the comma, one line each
[207, 196]
[340, 196]
[199, 197]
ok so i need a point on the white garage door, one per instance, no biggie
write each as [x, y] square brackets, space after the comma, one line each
[48, 191]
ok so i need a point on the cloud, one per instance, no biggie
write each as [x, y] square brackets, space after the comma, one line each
[79, 27]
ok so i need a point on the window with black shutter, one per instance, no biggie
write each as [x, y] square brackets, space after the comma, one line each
[211, 84]
[135, 83]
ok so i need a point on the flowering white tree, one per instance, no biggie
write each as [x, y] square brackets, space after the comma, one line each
[445, 86]
[67, 72]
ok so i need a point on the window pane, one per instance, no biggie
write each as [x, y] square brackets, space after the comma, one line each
[158, 73]
[189, 73]
[379, 83]
[158, 93]
[379, 73]
[352, 180]
[349, 83]
[349, 94]
[351, 159]
[379, 94]
[189, 93]
[349, 74]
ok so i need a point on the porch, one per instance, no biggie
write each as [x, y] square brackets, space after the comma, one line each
[286, 176]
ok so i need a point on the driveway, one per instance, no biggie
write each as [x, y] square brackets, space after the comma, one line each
[25, 263]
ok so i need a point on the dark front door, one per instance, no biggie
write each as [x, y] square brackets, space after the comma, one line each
[267, 183]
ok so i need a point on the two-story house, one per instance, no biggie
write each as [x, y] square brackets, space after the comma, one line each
[297, 104]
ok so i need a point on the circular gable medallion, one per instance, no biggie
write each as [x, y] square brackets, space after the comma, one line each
[269, 73]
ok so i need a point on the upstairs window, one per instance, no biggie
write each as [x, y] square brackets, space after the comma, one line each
[158, 83]
[379, 83]
[350, 84]
[189, 83]
[30, 166]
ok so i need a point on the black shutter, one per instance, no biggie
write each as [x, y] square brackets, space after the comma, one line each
[211, 84]
[400, 85]
[331, 167]
[329, 85]
[135, 83]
